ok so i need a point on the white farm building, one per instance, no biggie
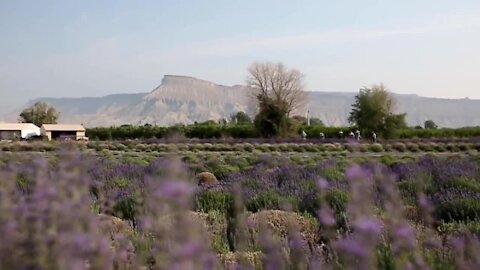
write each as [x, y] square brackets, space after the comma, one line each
[16, 131]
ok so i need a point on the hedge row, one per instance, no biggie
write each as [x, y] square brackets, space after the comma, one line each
[211, 131]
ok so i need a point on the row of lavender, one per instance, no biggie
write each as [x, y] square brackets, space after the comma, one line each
[49, 210]
[345, 146]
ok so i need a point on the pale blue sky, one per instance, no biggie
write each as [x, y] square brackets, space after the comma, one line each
[92, 48]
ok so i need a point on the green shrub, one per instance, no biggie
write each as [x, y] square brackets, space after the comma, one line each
[363, 148]
[400, 147]
[477, 146]
[439, 147]
[220, 170]
[412, 147]
[388, 160]
[456, 227]
[461, 209]
[463, 183]
[118, 182]
[376, 147]
[297, 147]
[388, 147]
[248, 147]
[328, 147]
[426, 147]
[351, 147]
[452, 147]
[250, 183]
[24, 183]
[269, 201]
[464, 146]
[333, 173]
[212, 200]
[140, 147]
[126, 209]
[6, 148]
[216, 224]
[338, 199]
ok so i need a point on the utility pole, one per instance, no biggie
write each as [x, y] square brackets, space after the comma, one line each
[308, 117]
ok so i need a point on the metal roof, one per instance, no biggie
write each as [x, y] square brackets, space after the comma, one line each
[63, 127]
[17, 126]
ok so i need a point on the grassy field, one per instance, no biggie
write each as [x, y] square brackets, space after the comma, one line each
[132, 205]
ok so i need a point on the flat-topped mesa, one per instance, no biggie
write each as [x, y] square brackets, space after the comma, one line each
[184, 89]
[180, 79]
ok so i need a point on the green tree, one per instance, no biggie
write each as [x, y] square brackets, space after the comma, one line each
[373, 110]
[278, 92]
[240, 118]
[39, 113]
[272, 119]
[429, 124]
[316, 122]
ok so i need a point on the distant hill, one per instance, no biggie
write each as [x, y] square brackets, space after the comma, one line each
[182, 99]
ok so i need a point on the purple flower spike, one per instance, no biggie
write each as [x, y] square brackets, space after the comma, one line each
[322, 184]
[326, 217]
[368, 225]
[175, 189]
[355, 172]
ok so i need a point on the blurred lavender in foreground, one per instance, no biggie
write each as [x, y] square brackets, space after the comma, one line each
[73, 214]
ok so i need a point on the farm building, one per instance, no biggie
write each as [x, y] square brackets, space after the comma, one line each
[17, 131]
[63, 132]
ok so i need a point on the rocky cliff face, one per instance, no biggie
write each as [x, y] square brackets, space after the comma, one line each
[182, 99]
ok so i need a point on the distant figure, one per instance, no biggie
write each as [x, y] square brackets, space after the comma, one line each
[351, 134]
[304, 135]
[357, 135]
[340, 134]
[374, 137]
[322, 136]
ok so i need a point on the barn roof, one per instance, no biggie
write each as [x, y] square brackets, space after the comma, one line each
[17, 126]
[63, 127]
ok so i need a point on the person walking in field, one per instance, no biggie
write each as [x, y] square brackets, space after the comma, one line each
[304, 135]
[322, 136]
[340, 134]
[374, 137]
[357, 135]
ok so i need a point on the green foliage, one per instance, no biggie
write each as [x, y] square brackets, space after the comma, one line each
[272, 118]
[376, 148]
[373, 111]
[220, 169]
[24, 183]
[462, 183]
[241, 118]
[269, 200]
[126, 208]
[461, 209]
[429, 124]
[400, 147]
[39, 113]
[209, 130]
[212, 200]
[456, 227]
[338, 200]
[316, 122]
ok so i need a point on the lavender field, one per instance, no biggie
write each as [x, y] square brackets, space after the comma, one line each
[71, 208]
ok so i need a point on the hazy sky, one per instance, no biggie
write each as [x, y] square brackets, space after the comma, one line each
[94, 48]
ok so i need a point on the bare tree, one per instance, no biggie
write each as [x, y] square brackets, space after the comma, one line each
[279, 84]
